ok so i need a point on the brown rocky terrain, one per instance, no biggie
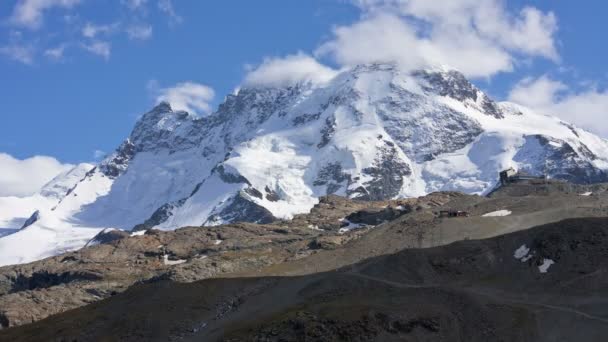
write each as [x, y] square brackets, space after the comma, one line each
[34, 291]
[392, 265]
[474, 290]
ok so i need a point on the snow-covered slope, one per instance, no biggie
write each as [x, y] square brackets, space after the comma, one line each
[372, 132]
[14, 211]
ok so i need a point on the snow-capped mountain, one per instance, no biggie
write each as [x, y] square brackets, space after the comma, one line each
[372, 132]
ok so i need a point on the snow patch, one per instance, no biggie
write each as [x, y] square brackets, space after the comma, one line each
[217, 242]
[138, 233]
[166, 260]
[351, 226]
[502, 212]
[314, 227]
[521, 252]
[544, 267]
[588, 193]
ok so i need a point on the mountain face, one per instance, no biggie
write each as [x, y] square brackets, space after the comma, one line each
[373, 132]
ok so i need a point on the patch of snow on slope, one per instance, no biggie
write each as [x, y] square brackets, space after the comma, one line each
[14, 211]
[588, 193]
[544, 267]
[502, 212]
[350, 226]
[168, 262]
[521, 252]
[152, 180]
[58, 230]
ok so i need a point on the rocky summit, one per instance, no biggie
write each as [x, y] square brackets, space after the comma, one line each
[373, 132]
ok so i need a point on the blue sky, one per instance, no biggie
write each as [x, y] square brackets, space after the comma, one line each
[77, 73]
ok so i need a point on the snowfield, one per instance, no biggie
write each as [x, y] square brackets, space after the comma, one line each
[372, 132]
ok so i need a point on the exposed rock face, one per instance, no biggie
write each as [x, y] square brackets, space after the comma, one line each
[376, 216]
[241, 209]
[332, 176]
[107, 236]
[387, 175]
[119, 161]
[562, 161]
[35, 216]
[455, 85]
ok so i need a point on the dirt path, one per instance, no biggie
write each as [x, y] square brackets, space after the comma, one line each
[494, 297]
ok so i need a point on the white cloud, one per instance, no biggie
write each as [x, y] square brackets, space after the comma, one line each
[587, 108]
[166, 6]
[134, 4]
[99, 48]
[91, 30]
[189, 96]
[289, 70]
[98, 154]
[25, 177]
[55, 53]
[478, 37]
[536, 93]
[29, 13]
[18, 52]
[139, 32]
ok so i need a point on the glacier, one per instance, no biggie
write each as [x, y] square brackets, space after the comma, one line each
[372, 132]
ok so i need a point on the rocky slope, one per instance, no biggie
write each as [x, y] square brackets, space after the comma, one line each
[373, 132]
[114, 260]
[543, 284]
[336, 233]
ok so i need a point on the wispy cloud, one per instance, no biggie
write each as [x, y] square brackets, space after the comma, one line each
[30, 13]
[139, 32]
[20, 53]
[56, 53]
[91, 30]
[190, 96]
[98, 154]
[134, 4]
[166, 6]
[100, 48]
[587, 107]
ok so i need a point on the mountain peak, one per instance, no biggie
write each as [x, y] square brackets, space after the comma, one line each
[374, 132]
[162, 107]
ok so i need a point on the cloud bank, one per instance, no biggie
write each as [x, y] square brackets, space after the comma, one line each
[587, 108]
[480, 38]
[25, 177]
